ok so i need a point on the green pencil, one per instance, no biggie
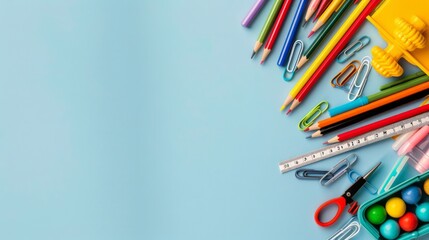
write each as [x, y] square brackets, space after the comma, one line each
[364, 100]
[400, 81]
[267, 26]
[329, 25]
[397, 88]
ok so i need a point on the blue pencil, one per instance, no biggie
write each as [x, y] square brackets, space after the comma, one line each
[293, 30]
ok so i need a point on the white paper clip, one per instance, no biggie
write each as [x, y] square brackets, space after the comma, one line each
[351, 49]
[291, 64]
[359, 80]
[348, 231]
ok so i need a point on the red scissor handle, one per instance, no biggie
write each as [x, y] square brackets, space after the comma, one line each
[341, 204]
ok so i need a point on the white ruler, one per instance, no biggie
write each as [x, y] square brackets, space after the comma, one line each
[351, 144]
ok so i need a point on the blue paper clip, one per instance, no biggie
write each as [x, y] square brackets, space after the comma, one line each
[348, 231]
[311, 174]
[291, 64]
[351, 49]
[353, 177]
[341, 168]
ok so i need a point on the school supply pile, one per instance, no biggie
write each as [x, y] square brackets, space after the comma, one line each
[397, 212]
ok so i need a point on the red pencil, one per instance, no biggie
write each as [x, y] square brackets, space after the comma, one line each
[379, 124]
[333, 54]
[276, 29]
[322, 8]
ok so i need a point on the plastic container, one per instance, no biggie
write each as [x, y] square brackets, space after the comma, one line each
[419, 156]
[422, 227]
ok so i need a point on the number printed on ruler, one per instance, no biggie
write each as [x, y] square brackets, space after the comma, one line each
[366, 139]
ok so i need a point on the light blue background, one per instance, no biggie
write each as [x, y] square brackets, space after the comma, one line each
[147, 120]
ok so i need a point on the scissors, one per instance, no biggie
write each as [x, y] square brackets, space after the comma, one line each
[343, 200]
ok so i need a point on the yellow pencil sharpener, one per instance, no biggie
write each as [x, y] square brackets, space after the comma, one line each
[403, 25]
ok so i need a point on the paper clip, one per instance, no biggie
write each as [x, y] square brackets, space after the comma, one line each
[351, 49]
[348, 231]
[291, 64]
[311, 174]
[341, 78]
[357, 85]
[353, 177]
[314, 113]
[341, 168]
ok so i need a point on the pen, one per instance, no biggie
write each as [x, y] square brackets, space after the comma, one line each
[361, 101]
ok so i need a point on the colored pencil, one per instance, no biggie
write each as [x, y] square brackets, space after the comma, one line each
[334, 6]
[369, 114]
[333, 51]
[253, 12]
[293, 31]
[361, 101]
[327, 50]
[379, 124]
[323, 5]
[368, 107]
[402, 80]
[276, 29]
[267, 26]
[317, 42]
[312, 8]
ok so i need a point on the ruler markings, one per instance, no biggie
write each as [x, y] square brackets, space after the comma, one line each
[351, 144]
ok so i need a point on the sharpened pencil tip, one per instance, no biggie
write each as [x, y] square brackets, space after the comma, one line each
[253, 54]
[261, 62]
[306, 130]
[305, 23]
[288, 111]
[282, 108]
[326, 143]
[308, 137]
[311, 34]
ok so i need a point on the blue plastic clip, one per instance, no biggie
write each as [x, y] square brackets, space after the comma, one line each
[351, 49]
[291, 64]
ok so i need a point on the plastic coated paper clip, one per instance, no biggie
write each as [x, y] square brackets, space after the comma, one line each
[291, 64]
[311, 174]
[358, 83]
[314, 113]
[345, 74]
[348, 231]
[351, 49]
[341, 168]
[353, 177]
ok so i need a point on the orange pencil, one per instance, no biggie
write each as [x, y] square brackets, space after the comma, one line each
[357, 111]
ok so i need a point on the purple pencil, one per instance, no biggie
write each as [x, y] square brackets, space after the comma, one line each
[253, 13]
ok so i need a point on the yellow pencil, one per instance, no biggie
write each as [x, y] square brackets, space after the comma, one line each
[335, 39]
[333, 7]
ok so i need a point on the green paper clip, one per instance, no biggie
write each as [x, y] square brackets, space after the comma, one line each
[314, 113]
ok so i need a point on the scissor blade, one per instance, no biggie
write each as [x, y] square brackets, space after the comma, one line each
[353, 189]
[371, 170]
